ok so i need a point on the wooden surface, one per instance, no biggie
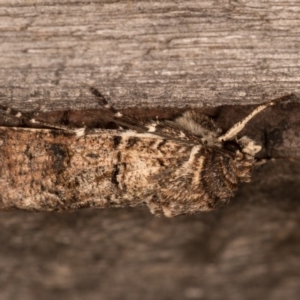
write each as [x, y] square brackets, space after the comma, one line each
[147, 53]
[159, 54]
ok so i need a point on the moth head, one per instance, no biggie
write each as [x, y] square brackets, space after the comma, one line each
[244, 144]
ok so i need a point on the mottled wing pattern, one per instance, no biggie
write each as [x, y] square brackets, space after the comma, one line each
[204, 179]
[56, 170]
[176, 167]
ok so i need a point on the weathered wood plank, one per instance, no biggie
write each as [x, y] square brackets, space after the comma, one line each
[147, 53]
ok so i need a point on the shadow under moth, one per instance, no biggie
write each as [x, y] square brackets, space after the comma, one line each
[175, 167]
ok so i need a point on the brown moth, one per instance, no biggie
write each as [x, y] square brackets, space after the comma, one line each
[174, 167]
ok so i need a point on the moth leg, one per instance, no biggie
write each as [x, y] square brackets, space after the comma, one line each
[154, 205]
[261, 161]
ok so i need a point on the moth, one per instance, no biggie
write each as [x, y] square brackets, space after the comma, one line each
[175, 167]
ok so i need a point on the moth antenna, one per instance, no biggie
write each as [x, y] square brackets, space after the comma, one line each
[102, 100]
[50, 125]
[27, 117]
[236, 128]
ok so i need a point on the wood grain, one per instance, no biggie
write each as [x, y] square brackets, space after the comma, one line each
[147, 53]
